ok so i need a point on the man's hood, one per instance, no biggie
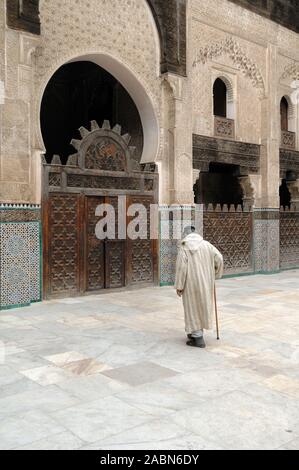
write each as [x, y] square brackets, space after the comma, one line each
[192, 242]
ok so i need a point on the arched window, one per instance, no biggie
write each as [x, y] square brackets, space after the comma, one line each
[220, 98]
[284, 114]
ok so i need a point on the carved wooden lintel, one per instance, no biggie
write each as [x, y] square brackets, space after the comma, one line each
[208, 150]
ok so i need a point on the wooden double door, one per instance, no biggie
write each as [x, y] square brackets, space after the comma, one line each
[77, 262]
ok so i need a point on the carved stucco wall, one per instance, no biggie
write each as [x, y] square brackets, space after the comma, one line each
[76, 29]
[2, 74]
[124, 30]
[2, 39]
[226, 52]
[259, 58]
[169, 16]
[18, 169]
[238, 48]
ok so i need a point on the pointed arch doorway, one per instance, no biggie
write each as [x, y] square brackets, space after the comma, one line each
[101, 167]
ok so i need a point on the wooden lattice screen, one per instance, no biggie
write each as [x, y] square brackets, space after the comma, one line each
[230, 230]
[289, 239]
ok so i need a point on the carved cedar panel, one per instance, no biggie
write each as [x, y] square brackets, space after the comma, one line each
[55, 180]
[141, 251]
[115, 254]
[209, 149]
[106, 155]
[103, 182]
[289, 239]
[63, 243]
[231, 233]
[95, 257]
[115, 268]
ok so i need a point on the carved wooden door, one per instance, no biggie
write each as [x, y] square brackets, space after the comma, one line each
[103, 167]
[104, 259]
[76, 261]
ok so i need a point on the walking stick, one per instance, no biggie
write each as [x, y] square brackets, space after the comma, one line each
[216, 310]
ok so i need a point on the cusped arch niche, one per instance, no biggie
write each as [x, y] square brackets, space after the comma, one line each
[138, 93]
[168, 16]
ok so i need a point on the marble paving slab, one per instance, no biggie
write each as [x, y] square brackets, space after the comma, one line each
[114, 372]
[139, 374]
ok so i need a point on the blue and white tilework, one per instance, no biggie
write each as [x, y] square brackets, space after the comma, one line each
[20, 264]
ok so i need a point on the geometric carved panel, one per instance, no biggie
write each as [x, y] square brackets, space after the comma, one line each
[289, 239]
[142, 269]
[103, 182]
[224, 127]
[115, 253]
[231, 233]
[95, 259]
[142, 262]
[211, 149]
[64, 235]
[115, 264]
[266, 240]
[79, 261]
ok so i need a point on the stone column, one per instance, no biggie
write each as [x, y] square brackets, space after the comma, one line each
[251, 186]
[2, 72]
[266, 211]
[180, 164]
[177, 171]
[20, 214]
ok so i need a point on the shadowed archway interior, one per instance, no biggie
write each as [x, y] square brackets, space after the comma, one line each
[78, 93]
[284, 114]
[219, 186]
[285, 195]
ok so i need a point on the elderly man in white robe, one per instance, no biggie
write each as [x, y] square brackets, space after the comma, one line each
[199, 264]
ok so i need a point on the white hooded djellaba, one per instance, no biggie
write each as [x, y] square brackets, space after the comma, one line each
[198, 265]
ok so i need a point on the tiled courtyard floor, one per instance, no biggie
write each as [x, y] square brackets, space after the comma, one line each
[113, 371]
